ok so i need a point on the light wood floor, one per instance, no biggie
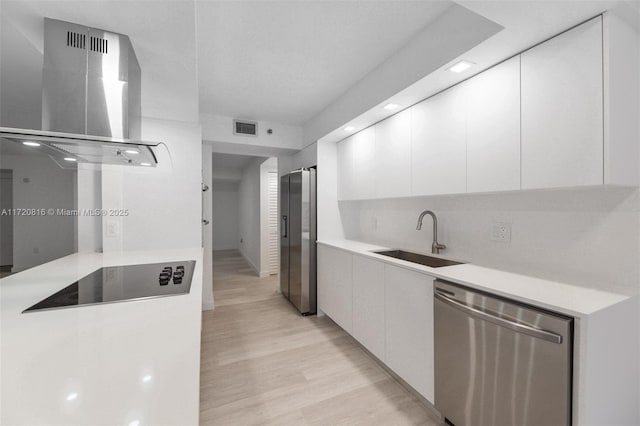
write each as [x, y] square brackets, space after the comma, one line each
[263, 363]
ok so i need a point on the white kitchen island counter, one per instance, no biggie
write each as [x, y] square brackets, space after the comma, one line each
[127, 363]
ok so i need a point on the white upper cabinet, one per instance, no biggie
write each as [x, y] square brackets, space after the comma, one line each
[356, 166]
[541, 119]
[493, 128]
[438, 144]
[345, 169]
[393, 156]
[562, 110]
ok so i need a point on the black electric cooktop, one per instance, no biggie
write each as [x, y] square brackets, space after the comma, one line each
[122, 283]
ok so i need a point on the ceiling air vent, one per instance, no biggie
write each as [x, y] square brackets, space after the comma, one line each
[77, 40]
[99, 45]
[243, 127]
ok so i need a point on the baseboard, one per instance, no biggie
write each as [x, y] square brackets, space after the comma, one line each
[254, 267]
[264, 274]
[208, 306]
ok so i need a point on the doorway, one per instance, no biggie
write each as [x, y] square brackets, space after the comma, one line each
[244, 215]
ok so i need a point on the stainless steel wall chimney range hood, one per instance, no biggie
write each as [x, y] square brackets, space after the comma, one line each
[91, 90]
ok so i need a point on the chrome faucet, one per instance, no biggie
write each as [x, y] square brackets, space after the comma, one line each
[435, 246]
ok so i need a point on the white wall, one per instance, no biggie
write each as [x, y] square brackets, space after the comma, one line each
[586, 237]
[219, 128]
[39, 183]
[249, 214]
[224, 218]
[89, 190]
[222, 174]
[207, 233]
[164, 203]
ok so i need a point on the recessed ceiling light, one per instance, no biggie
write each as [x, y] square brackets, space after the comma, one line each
[147, 378]
[134, 423]
[69, 159]
[390, 107]
[132, 151]
[30, 143]
[349, 128]
[72, 396]
[145, 164]
[461, 66]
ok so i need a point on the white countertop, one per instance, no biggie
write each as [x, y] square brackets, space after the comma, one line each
[564, 298]
[129, 363]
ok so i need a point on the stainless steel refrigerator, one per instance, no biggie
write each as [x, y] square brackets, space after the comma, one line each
[298, 239]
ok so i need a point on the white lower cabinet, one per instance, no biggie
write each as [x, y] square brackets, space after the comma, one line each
[368, 304]
[409, 327]
[335, 285]
[388, 309]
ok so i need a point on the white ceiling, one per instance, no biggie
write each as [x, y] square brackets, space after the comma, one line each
[285, 61]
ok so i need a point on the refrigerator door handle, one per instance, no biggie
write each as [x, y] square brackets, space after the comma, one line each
[284, 226]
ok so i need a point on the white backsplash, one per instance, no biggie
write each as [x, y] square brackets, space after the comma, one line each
[588, 237]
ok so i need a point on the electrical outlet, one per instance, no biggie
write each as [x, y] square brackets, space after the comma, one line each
[501, 232]
[113, 228]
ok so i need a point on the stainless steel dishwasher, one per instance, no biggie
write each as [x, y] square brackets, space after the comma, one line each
[499, 362]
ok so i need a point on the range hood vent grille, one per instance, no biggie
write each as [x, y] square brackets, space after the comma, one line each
[76, 40]
[99, 45]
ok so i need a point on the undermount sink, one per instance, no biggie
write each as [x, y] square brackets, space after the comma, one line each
[422, 259]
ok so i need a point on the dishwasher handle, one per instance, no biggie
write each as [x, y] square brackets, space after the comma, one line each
[486, 316]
